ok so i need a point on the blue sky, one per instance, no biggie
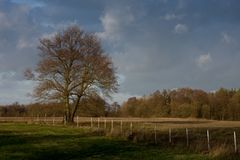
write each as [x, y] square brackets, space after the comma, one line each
[155, 44]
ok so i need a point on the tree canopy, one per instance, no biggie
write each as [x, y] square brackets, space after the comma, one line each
[72, 66]
[222, 104]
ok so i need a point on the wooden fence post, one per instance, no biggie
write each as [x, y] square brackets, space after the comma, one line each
[131, 128]
[155, 134]
[38, 118]
[91, 122]
[121, 126]
[187, 138]
[32, 119]
[98, 123]
[65, 120]
[77, 122]
[235, 142]
[53, 121]
[208, 140]
[143, 128]
[45, 118]
[112, 127]
[170, 135]
[105, 124]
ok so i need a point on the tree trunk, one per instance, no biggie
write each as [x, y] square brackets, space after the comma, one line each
[67, 110]
[75, 109]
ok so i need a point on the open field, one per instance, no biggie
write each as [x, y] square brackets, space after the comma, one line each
[21, 141]
[119, 138]
[163, 123]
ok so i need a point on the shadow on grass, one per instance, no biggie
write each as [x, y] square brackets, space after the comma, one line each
[66, 147]
[47, 142]
[62, 147]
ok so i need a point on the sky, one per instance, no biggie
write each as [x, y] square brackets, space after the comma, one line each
[154, 44]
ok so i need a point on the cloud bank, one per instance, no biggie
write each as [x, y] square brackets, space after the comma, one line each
[155, 44]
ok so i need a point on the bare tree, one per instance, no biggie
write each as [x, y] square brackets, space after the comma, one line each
[72, 66]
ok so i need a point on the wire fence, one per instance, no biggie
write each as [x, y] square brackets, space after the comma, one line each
[192, 134]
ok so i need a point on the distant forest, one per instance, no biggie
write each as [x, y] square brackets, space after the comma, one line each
[223, 104]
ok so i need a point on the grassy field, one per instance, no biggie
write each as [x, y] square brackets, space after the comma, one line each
[161, 122]
[35, 141]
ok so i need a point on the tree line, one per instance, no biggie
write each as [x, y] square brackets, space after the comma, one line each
[89, 107]
[222, 104]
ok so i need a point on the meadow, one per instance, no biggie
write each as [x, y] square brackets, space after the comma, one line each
[137, 138]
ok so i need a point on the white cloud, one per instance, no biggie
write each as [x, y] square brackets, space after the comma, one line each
[48, 35]
[121, 78]
[110, 26]
[15, 17]
[23, 43]
[7, 75]
[60, 25]
[226, 38]
[203, 60]
[113, 23]
[180, 28]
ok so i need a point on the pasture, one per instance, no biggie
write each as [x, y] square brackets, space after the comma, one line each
[117, 138]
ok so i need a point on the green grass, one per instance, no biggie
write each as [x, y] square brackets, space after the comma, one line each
[22, 141]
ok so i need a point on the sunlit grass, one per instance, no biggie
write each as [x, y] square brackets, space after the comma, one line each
[22, 141]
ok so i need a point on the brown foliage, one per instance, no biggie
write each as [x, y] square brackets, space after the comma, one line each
[185, 102]
[72, 66]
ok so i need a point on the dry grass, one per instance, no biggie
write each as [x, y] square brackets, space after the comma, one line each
[144, 130]
[221, 150]
[163, 123]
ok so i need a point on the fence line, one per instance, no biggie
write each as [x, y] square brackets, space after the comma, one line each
[124, 126]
